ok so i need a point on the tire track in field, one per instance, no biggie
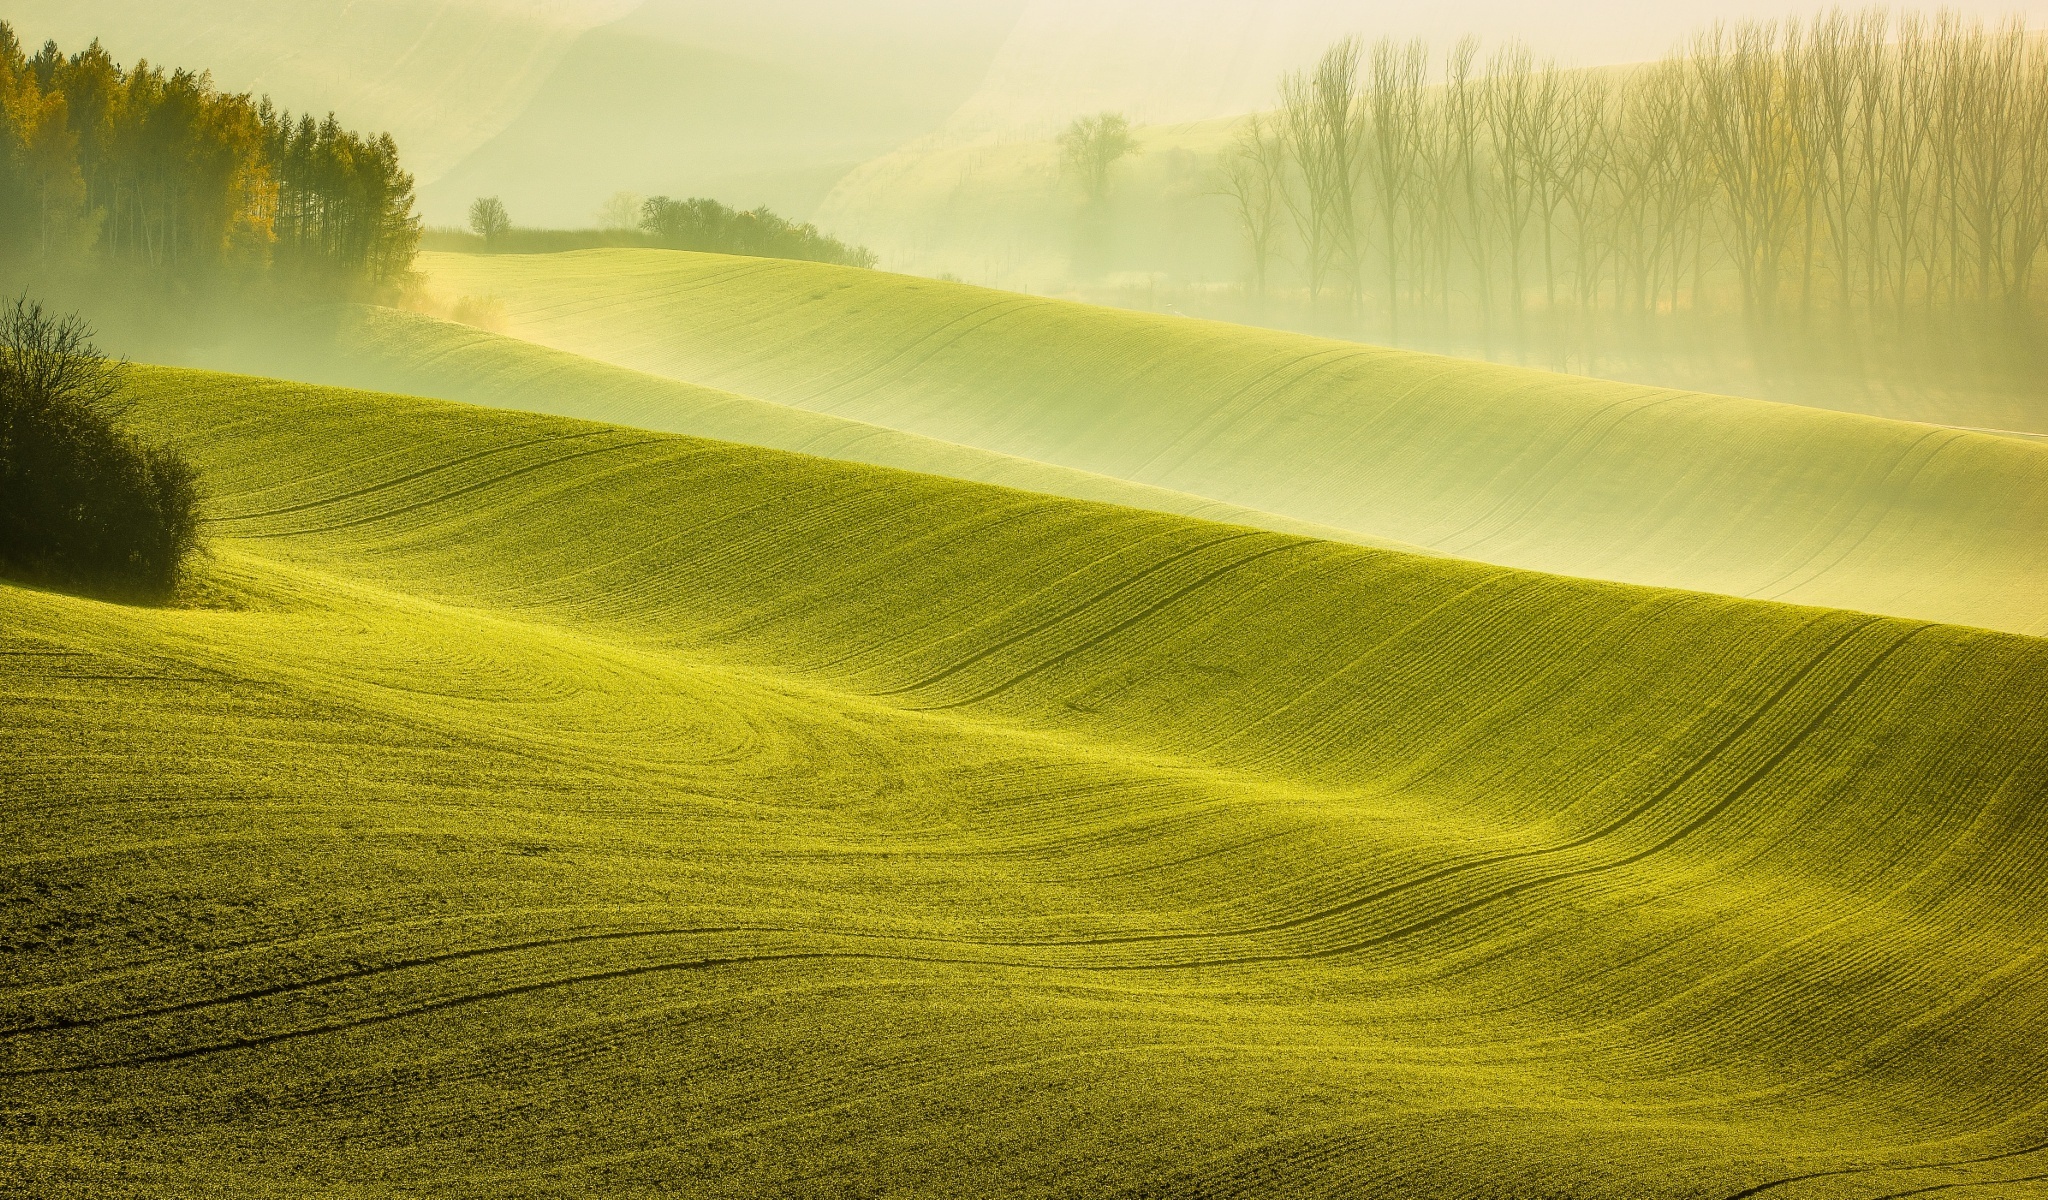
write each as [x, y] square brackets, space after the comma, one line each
[1705, 760]
[898, 370]
[422, 473]
[1691, 827]
[1949, 1187]
[1010, 303]
[1064, 614]
[1437, 919]
[1140, 533]
[1548, 469]
[524, 989]
[1773, 590]
[1843, 1172]
[302, 985]
[461, 491]
[1096, 640]
[1221, 417]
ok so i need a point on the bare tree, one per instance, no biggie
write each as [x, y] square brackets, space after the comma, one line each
[1255, 179]
[1464, 182]
[489, 220]
[1877, 165]
[1743, 101]
[1549, 142]
[1091, 147]
[1319, 119]
[2030, 183]
[1588, 159]
[1899, 174]
[621, 212]
[1393, 158]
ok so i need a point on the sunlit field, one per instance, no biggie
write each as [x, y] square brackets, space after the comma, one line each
[1022, 600]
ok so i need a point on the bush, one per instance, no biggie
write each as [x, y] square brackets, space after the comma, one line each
[707, 225]
[81, 501]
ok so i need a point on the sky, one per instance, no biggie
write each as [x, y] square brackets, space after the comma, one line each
[1165, 61]
[1591, 32]
[722, 89]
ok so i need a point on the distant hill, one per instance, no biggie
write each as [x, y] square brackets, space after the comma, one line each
[1501, 464]
[419, 355]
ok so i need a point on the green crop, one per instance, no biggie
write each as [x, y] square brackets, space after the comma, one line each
[420, 355]
[1499, 464]
[530, 807]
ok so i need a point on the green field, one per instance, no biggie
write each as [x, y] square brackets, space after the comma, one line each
[420, 355]
[525, 807]
[1499, 464]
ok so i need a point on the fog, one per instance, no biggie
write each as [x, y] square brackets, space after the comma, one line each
[1168, 61]
[926, 131]
[556, 104]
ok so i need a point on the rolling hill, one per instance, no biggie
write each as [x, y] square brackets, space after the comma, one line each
[1499, 464]
[419, 355]
[530, 807]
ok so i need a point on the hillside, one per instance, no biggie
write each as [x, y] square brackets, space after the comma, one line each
[533, 808]
[418, 355]
[1499, 464]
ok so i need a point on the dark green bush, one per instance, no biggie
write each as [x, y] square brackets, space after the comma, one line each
[81, 501]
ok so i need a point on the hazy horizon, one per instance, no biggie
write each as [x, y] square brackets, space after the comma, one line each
[480, 93]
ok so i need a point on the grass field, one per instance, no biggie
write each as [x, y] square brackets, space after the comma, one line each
[421, 356]
[1499, 464]
[525, 807]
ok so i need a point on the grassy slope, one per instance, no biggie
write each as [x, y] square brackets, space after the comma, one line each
[1001, 213]
[421, 356]
[1495, 463]
[562, 809]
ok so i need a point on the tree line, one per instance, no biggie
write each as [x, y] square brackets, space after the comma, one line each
[155, 170]
[707, 225]
[629, 220]
[1863, 165]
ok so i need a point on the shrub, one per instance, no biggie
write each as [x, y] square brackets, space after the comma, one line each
[710, 226]
[81, 501]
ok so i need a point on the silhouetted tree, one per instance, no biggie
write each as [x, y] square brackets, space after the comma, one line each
[1255, 179]
[1320, 115]
[489, 220]
[1091, 146]
[1878, 163]
[82, 502]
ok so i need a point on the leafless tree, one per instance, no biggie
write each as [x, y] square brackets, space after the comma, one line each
[1393, 158]
[1319, 119]
[1091, 147]
[1255, 179]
